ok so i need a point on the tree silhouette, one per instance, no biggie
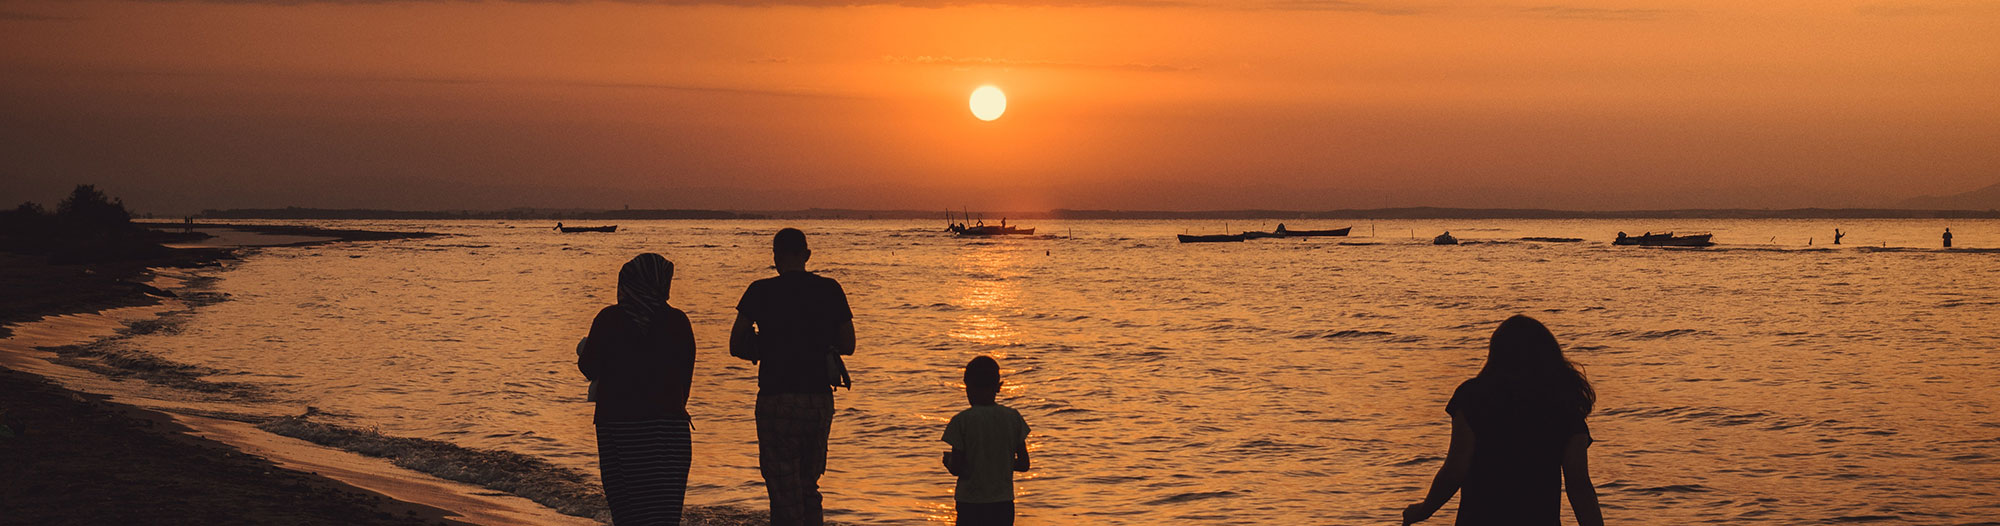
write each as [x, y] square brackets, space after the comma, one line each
[88, 210]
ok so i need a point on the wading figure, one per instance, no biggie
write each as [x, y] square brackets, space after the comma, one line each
[795, 327]
[640, 358]
[1518, 438]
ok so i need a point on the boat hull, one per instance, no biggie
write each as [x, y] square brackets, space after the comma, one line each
[1667, 240]
[577, 229]
[1338, 232]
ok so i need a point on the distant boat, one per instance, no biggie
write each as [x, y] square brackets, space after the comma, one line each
[1260, 235]
[575, 229]
[1664, 240]
[1212, 238]
[983, 229]
[1444, 239]
[990, 230]
[1282, 231]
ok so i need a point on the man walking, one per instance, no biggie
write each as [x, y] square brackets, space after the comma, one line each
[794, 327]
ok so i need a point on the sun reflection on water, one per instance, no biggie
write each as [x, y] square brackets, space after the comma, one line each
[986, 297]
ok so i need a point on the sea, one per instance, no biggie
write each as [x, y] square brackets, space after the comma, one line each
[1775, 378]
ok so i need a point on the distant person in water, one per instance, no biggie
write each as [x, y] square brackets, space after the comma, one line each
[1518, 438]
[640, 359]
[1947, 238]
[1837, 235]
[795, 327]
[989, 442]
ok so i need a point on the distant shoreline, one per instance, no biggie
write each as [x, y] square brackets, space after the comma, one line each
[835, 213]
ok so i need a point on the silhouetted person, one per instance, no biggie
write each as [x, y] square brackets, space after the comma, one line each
[640, 359]
[989, 442]
[1947, 238]
[559, 225]
[1837, 235]
[1518, 437]
[794, 327]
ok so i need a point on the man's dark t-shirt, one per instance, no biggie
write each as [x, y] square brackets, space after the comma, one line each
[799, 316]
[1519, 437]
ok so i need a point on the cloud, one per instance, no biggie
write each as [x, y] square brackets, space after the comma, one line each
[1336, 5]
[761, 3]
[1599, 13]
[1915, 9]
[18, 16]
[1051, 64]
[800, 92]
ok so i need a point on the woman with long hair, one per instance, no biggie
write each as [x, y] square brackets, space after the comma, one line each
[1518, 438]
[639, 358]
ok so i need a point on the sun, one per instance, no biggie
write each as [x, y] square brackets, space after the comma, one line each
[988, 103]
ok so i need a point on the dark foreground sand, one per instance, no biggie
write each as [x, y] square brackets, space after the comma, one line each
[76, 458]
[79, 458]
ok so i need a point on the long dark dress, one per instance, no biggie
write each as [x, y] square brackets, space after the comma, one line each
[642, 375]
[1519, 437]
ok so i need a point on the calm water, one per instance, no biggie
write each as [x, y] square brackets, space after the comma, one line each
[1268, 382]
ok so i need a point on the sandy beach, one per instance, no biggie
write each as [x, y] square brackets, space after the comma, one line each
[91, 458]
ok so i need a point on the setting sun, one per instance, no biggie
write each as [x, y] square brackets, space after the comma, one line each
[988, 103]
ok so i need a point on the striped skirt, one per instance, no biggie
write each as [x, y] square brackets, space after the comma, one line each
[645, 467]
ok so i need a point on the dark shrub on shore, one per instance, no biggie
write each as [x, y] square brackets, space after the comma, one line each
[86, 227]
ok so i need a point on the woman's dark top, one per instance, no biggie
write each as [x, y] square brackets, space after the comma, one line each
[642, 373]
[1519, 437]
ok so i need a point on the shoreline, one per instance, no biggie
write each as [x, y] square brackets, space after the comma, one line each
[97, 459]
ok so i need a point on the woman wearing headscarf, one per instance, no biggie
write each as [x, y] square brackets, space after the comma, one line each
[639, 358]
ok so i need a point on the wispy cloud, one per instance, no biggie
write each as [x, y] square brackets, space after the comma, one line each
[765, 3]
[1336, 5]
[966, 62]
[1916, 9]
[19, 16]
[1600, 13]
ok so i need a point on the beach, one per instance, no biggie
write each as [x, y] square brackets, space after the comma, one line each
[80, 457]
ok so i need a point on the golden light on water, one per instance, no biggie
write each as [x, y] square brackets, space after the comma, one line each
[988, 103]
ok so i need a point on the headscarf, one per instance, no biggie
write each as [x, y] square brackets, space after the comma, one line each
[642, 287]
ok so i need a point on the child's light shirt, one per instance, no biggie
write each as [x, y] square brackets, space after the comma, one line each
[987, 434]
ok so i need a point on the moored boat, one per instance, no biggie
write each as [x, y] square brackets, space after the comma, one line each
[575, 229]
[1664, 240]
[1282, 231]
[1212, 238]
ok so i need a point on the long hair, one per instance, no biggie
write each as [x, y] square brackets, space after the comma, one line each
[643, 285]
[1524, 355]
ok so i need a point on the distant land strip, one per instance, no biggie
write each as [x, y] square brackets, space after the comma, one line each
[834, 213]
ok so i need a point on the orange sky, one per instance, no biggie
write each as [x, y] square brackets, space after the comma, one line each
[764, 104]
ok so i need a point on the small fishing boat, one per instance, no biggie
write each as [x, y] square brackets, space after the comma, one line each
[1212, 238]
[983, 229]
[1664, 240]
[575, 229]
[1338, 232]
[1444, 239]
[990, 230]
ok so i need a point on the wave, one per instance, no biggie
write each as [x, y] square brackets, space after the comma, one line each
[1190, 497]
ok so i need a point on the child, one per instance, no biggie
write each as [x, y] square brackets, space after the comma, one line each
[988, 440]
